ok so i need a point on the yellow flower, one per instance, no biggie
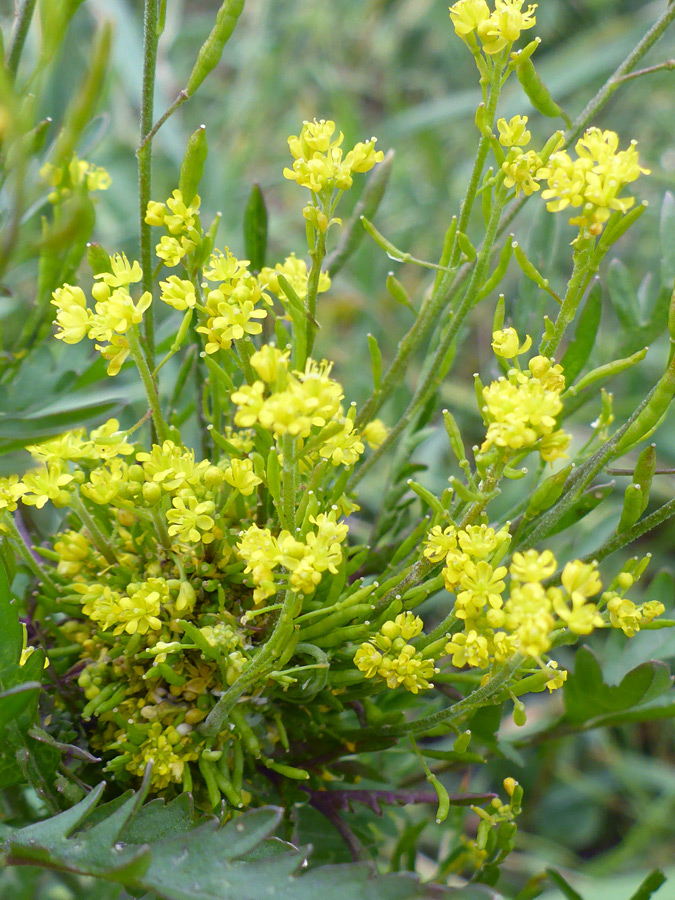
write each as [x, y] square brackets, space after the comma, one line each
[521, 170]
[72, 317]
[45, 484]
[505, 24]
[439, 542]
[374, 433]
[11, 490]
[294, 271]
[123, 273]
[191, 520]
[514, 132]
[467, 15]
[116, 313]
[506, 343]
[241, 476]
[178, 292]
[180, 218]
[468, 648]
[532, 566]
[319, 163]
[268, 361]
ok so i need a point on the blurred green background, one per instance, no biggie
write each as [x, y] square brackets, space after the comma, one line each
[602, 804]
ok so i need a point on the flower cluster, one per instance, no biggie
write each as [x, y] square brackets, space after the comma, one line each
[496, 29]
[78, 173]
[593, 181]
[590, 183]
[390, 656]
[320, 164]
[114, 314]
[521, 408]
[302, 404]
[181, 221]
[499, 622]
[231, 305]
[305, 560]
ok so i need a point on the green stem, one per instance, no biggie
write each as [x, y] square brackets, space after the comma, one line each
[482, 696]
[99, 540]
[627, 537]
[148, 383]
[144, 155]
[26, 553]
[584, 268]
[618, 77]
[21, 26]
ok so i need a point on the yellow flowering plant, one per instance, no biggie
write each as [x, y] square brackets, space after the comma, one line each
[209, 615]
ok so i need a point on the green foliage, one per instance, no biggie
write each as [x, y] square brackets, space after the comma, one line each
[155, 847]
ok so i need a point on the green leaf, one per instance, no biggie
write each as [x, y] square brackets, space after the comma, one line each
[153, 848]
[16, 431]
[590, 702]
[649, 886]
[576, 355]
[255, 228]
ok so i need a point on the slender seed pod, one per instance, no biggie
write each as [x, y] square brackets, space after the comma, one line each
[466, 246]
[398, 292]
[375, 360]
[649, 417]
[381, 241]
[192, 167]
[212, 48]
[454, 436]
[548, 491]
[537, 91]
[632, 508]
[446, 253]
[498, 272]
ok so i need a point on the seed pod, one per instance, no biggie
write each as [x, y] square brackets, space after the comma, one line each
[192, 167]
[208, 771]
[462, 741]
[649, 417]
[454, 436]
[427, 497]
[212, 48]
[632, 508]
[537, 91]
[98, 259]
[443, 798]
[287, 771]
[499, 270]
[482, 123]
[644, 472]
[398, 292]
[606, 371]
[381, 241]
[466, 246]
[548, 491]
[446, 253]
[375, 360]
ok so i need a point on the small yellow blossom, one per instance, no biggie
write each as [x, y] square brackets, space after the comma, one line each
[241, 476]
[191, 520]
[514, 133]
[178, 292]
